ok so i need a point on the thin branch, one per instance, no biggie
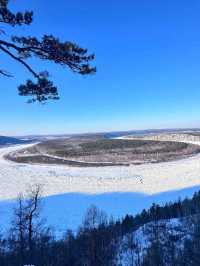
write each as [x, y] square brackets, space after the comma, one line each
[5, 73]
[8, 44]
[20, 60]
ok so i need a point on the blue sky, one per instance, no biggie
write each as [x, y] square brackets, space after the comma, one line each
[148, 62]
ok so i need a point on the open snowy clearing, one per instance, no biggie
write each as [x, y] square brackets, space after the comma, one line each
[147, 178]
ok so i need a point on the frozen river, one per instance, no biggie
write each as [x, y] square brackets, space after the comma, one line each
[147, 178]
[117, 190]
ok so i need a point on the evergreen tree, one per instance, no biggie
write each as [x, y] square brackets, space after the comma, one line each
[48, 48]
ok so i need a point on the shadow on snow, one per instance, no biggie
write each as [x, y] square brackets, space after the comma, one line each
[66, 211]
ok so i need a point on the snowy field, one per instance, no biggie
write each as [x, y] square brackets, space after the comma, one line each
[118, 189]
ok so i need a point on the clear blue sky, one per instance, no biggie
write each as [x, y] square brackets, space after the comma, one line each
[148, 62]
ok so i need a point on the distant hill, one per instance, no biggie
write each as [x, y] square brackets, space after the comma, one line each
[4, 140]
[144, 132]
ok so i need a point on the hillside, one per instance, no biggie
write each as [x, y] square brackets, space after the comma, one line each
[167, 235]
[4, 140]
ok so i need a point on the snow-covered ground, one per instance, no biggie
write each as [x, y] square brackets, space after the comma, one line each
[133, 246]
[146, 178]
[118, 189]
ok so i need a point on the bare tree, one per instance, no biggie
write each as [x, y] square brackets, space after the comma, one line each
[27, 221]
[32, 215]
[94, 217]
[97, 239]
[18, 228]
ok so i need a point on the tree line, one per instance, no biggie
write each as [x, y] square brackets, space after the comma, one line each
[97, 241]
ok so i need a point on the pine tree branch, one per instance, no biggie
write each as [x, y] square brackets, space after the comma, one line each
[21, 61]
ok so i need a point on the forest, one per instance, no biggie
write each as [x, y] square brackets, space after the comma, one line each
[101, 240]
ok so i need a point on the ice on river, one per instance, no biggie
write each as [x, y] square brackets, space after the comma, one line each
[117, 190]
[56, 179]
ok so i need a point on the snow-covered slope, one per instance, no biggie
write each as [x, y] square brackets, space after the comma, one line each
[133, 246]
